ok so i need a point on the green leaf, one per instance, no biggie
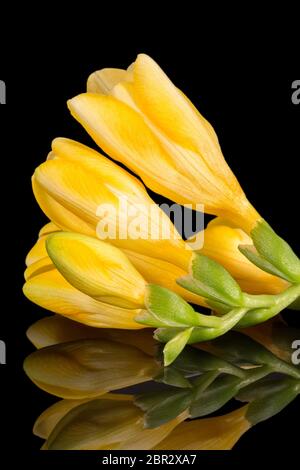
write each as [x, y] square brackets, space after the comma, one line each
[171, 376]
[169, 308]
[174, 347]
[209, 279]
[166, 406]
[215, 396]
[269, 405]
[252, 255]
[275, 250]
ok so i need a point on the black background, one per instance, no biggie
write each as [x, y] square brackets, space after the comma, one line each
[242, 94]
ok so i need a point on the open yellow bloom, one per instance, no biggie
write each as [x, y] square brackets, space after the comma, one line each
[221, 243]
[107, 424]
[88, 368]
[218, 433]
[80, 190]
[142, 120]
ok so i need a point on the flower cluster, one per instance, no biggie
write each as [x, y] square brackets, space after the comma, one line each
[111, 258]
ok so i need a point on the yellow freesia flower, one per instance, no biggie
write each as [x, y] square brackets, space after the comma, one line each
[117, 424]
[80, 190]
[97, 269]
[153, 270]
[217, 433]
[88, 368]
[46, 287]
[142, 120]
[221, 243]
[57, 329]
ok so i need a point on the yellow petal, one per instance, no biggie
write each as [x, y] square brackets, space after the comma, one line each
[37, 252]
[70, 195]
[48, 228]
[51, 291]
[189, 164]
[115, 178]
[122, 133]
[88, 368]
[157, 271]
[78, 183]
[97, 269]
[56, 329]
[218, 433]
[64, 218]
[104, 80]
[221, 244]
[47, 421]
[42, 265]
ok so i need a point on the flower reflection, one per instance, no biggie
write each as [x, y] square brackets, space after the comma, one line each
[92, 370]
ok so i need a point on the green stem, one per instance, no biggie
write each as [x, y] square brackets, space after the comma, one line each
[264, 301]
[260, 315]
[252, 375]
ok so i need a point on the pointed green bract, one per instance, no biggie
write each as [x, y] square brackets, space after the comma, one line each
[252, 255]
[172, 376]
[275, 250]
[174, 347]
[209, 279]
[270, 404]
[161, 407]
[169, 308]
[215, 396]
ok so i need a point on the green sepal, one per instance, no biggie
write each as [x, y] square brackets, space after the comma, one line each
[194, 361]
[169, 308]
[270, 404]
[269, 385]
[276, 250]
[161, 407]
[249, 251]
[172, 376]
[211, 280]
[146, 318]
[240, 349]
[174, 347]
[215, 396]
[202, 382]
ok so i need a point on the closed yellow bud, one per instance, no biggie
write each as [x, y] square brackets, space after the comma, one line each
[80, 190]
[97, 269]
[142, 120]
[221, 243]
